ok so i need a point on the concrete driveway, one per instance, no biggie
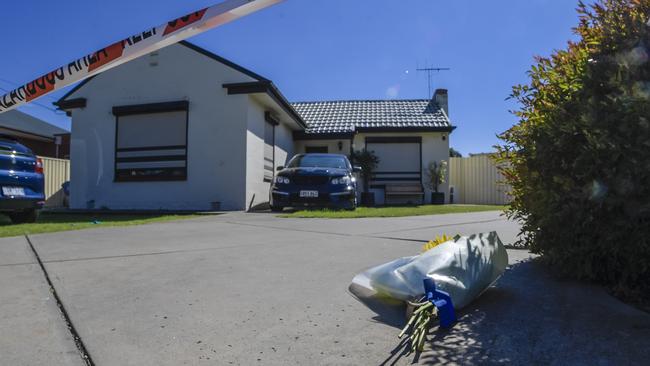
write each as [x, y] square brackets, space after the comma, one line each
[249, 289]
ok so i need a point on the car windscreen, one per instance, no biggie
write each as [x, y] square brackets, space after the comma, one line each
[311, 161]
[8, 147]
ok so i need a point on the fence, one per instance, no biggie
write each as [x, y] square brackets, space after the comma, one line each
[56, 172]
[476, 180]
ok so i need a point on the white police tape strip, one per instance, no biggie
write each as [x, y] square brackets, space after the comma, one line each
[131, 48]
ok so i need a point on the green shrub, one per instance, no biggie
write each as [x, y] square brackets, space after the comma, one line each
[435, 174]
[368, 162]
[579, 157]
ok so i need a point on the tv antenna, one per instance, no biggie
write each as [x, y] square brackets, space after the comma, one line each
[429, 71]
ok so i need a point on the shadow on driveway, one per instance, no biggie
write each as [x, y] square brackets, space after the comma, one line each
[530, 317]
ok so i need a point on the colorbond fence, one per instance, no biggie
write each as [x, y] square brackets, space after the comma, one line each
[57, 171]
[476, 180]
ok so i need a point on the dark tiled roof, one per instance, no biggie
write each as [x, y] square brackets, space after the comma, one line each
[350, 115]
[23, 122]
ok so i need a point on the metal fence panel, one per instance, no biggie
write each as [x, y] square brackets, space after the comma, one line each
[476, 180]
[56, 171]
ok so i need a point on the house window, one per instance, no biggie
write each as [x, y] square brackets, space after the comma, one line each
[316, 149]
[400, 158]
[151, 142]
[269, 151]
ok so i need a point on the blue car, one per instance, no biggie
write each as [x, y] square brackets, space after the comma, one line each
[22, 191]
[315, 180]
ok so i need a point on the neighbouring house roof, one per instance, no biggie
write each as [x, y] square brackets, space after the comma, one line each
[15, 121]
[349, 116]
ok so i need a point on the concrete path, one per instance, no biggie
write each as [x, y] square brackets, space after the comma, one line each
[32, 330]
[248, 289]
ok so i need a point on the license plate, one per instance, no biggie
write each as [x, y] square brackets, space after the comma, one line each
[13, 191]
[308, 193]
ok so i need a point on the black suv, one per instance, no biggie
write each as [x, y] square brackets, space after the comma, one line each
[321, 180]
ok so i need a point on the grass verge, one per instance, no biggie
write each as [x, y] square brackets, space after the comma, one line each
[53, 222]
[394, 211]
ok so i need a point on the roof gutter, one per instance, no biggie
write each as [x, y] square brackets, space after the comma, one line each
[266, 87]
[301, 135]
[65, 105]
[406, 129]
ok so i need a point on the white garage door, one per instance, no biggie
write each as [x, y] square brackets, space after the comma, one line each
[398, 161]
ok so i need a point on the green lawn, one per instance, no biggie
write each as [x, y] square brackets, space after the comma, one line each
[394, 211]
[52, 222]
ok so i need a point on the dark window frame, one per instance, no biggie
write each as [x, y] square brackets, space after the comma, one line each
[319, 147]
[169, 174]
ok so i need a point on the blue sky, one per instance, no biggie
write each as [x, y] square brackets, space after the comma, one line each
[321, 49]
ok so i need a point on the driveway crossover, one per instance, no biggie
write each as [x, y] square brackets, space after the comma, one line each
[248, 289]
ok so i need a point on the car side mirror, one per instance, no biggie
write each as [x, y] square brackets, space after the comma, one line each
[357, 169]
[279, 167]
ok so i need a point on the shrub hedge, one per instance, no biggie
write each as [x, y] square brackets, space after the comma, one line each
[579, 156]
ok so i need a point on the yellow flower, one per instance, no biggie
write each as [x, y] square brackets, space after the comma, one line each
[437, 241]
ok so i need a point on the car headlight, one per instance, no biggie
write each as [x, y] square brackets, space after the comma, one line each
[342, 180]
[281, 180]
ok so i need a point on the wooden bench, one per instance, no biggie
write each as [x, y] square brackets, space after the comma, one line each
[403, 189]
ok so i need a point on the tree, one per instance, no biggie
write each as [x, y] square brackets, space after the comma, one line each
[579, 157]
[368, 162]
[453, 153]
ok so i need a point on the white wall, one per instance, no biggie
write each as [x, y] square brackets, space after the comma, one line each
[257, 191]
[216, 134]
[284, 145]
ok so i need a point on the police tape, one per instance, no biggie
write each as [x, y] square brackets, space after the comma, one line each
[131, 48]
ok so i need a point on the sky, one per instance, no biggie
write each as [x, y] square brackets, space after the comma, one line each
[321, 49]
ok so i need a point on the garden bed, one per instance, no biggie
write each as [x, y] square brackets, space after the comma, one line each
[398, 211]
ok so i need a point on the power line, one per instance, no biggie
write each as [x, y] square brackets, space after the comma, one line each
[37, 103]
[17, 85]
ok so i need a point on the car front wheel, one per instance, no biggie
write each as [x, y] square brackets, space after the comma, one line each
[276, 208]
[24, 217]
[353, 206]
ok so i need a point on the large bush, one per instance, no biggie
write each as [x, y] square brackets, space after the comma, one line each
[579, 157]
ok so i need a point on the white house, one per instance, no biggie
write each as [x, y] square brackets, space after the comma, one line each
[184, 129]
[406, 135]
